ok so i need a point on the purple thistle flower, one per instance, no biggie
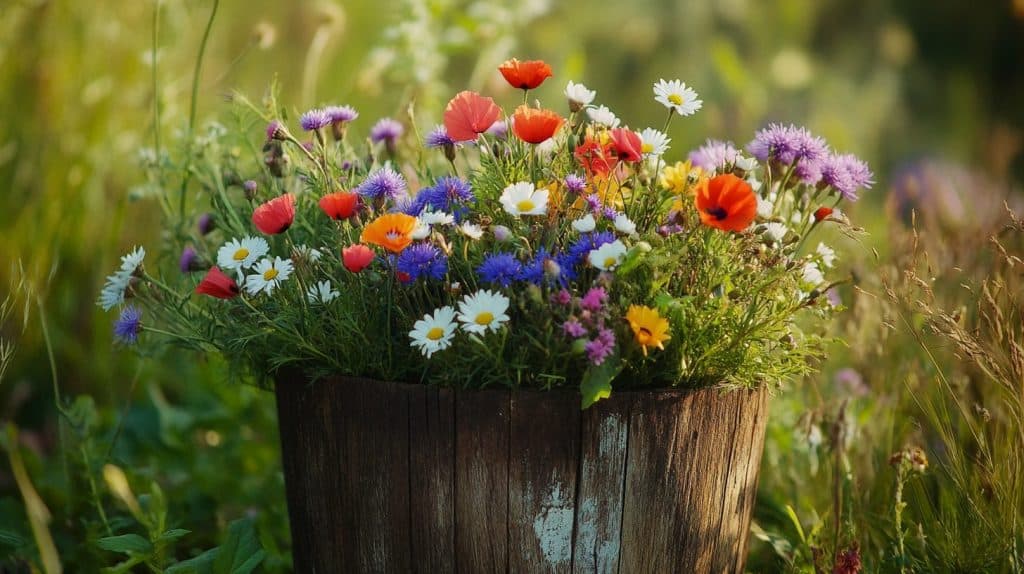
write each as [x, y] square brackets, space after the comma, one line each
[594, 202]
[341, 114]
[573, 328]
[439, 138]
[846, 174]
[807, 171]
[422, 260]
[609, 212]
[714, 155]
[563, 297]
[386, 130]
[787, 144]
[314, 119]
[575, 184]
[499, 268]
[498, 129]
[275, 131]
[189, 260]
[205, 223]
[383, 183]
[128, 325]
[594, 299]
[602, 346]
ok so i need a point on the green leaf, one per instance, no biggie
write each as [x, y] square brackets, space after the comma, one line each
[202, 564]
[173, 534]
[597, 381]
[241, 553]
[126, 543]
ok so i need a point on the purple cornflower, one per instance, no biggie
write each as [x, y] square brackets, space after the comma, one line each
[594, 299]
[341, 114]
[602, 346]
[846, 174]
[594, 202]
[383, 183]
[498, 129]
[189, 260]
[439, 138]
[787, 144]
[499, 268]
[205, 223]
[314, 119]
[128, 325]
[422, 260]
[573, 328]
[448, 194]
[275, 131]
[386, 130]
[714, 155]
[807, 171]
[575, 183]
[609, 212]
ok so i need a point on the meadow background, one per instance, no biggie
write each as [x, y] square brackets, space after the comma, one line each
[928, 92]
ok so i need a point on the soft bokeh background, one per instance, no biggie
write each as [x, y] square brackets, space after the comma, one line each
[926, 91]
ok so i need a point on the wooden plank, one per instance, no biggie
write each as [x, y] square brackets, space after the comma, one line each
[432, 484]
[757, 421]
[543, 464]
[604, 443]
[481, 481]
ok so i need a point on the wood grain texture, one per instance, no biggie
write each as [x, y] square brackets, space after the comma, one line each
[385, 477]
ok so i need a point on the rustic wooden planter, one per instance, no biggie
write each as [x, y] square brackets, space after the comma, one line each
[386, 477]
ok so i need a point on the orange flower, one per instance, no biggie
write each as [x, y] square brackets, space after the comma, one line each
[391, 231]
[525, 75]
[627, 145]
[595, 157]
[276, 215]
[340, 204]
[535, 126]
[469, 114]
[726, 202]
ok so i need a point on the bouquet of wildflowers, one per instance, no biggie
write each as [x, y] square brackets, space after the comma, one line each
[540, 247]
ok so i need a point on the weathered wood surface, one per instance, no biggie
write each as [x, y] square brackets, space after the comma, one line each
[385, 477]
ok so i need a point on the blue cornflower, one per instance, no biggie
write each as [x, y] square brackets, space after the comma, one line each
[439, 138]
[383, 183]
[499, 268]
[578, 252]
[449, 194]
[386, 130]
[422, 260]
[543, 268]
[314, 119]
[128, 325]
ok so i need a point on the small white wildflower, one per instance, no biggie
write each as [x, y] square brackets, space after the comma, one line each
[624, 224]
[579, 96]
[828, 256]
[602, 115]
[323, 292]
[471, 230]
[585, 224]
[608, 256]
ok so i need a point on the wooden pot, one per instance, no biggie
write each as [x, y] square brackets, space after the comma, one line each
[388, 477]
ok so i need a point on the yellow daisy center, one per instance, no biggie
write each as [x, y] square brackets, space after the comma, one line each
[435, 333]
[676, 99]
[241, 254]
[609, 261]
[270, 274]
[484, 318]
[525, 205]
[647, 148]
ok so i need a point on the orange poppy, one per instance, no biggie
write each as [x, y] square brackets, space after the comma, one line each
[726, 202]
[595, 157]
[525, 75]
[340, 204]
[392, 231]
[535, 126]
[469, 114]
[276, 215]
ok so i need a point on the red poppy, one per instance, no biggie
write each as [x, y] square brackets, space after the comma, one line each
[726, 202]
[340, 204]
[628, 145]
[595, 157]
[822, 213]
[217, 284]
[469, 114]
[525, 75]
[276, 215]
[535, 126]
[357, 257]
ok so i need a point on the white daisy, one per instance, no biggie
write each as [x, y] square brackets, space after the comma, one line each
[602, 115]
[242, 253]
[323, 292]
[308, 253]
[113, 290]
[524, 199]
[471, 230]
[434, 332]
[828, 256]
[585, 224]
[754, 183]
[674, 95]
[812, 275]
[421, 231]
[270, 273]
[133, 260]
[775, 231]
[546, 148]
[579, 96]
[654, 143]
[608, 256]
[437, 218]
[483, 311]
[765, 208]
[624, 224]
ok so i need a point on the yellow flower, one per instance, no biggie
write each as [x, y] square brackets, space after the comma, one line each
[649, 328]
[680, 177]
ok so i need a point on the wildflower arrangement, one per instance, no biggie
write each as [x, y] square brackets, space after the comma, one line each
[530, 246]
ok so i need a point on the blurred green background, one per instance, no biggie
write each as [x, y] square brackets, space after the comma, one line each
[894, 81]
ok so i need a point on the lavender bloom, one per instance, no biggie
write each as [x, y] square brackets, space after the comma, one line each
[846, 174]
[439, 138]
[341, 114]
[189, 260]
[594, 299]
[386, 130]
[499, 268]
[573, 328]
[787, 144]
[128, 325]
[422, 260]
[498, 129]
[205, 223]
[714, 155]
[602, 346]
[383, 183]
[314, 119]
[575, 183]
[275, 131]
